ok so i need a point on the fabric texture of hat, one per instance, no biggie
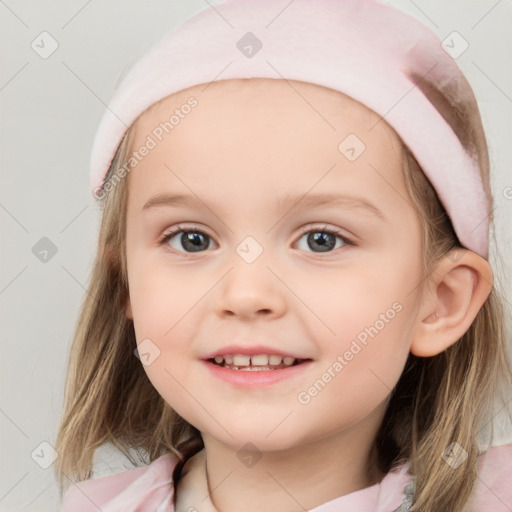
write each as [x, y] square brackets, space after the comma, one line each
[366, 49]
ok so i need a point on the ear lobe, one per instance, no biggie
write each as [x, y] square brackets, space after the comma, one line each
[460, 284]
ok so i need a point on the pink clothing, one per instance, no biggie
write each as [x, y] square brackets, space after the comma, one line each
[149, 489]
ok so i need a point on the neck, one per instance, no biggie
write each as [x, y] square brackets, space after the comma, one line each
[292, 480]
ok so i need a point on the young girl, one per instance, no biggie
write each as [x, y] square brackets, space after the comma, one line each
[255, 370]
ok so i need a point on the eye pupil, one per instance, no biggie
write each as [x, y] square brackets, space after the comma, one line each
[325, 240]
[193, 241]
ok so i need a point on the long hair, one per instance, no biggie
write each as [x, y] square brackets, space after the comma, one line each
[436, 402]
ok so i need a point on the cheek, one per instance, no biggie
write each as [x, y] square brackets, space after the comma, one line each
[343, 305]
[160, 299]
[164, 307]
[162, 318]
[372, 315]
[357, 377]
[176, 383]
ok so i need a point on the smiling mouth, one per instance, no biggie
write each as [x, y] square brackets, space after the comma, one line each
[259, 362]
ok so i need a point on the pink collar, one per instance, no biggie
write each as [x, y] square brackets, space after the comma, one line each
[391, 494]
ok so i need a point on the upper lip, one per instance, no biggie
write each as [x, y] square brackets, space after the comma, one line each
[250, 350]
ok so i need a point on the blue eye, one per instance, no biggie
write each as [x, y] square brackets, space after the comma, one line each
[193, 240]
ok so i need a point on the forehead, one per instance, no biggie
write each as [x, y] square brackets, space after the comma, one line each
[260, 101]
[268, 133]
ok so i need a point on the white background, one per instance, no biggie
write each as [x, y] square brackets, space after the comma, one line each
[50, 109]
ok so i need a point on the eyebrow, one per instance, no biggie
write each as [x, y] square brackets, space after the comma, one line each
[288, 200]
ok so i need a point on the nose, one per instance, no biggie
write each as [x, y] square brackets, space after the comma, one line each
[251, 290]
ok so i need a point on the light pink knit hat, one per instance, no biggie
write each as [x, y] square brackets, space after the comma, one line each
[368, 50]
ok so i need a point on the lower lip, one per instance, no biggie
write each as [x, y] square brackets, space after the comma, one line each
[255, 378]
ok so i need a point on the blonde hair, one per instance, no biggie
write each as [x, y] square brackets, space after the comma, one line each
[437, 401]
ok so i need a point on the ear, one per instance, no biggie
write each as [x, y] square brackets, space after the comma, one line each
[128, 308]
[460, 283]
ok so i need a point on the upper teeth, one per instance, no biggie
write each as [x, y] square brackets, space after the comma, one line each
[256, 360]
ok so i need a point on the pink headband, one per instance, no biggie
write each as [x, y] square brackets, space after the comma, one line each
[370, 51]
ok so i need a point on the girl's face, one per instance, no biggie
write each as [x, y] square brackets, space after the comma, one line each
[263, 167]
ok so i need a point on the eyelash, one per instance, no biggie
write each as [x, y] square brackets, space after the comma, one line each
[332, 231]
